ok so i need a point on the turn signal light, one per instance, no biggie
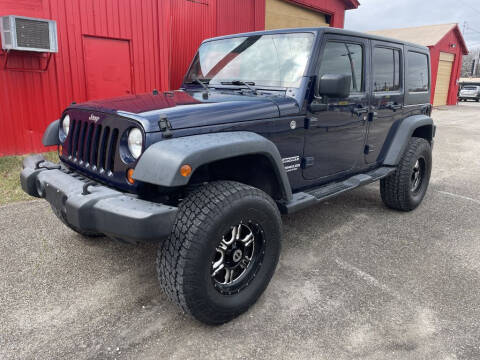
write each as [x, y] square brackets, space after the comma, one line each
[130, 176]
[60, 149]
[185, 170]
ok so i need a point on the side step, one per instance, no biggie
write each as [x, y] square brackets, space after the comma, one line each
[302, 200]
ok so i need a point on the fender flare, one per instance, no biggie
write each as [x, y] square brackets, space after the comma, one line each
[50, 136]
[160, 163]
[402, 135]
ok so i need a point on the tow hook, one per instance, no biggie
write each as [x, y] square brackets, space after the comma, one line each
[47, 167]
[86, 185]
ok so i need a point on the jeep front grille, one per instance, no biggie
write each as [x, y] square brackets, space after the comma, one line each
[93, 146]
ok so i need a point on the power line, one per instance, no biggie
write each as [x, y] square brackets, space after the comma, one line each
[470, 6]
[472, 29]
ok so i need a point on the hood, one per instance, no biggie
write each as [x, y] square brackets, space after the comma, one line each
[192, 109]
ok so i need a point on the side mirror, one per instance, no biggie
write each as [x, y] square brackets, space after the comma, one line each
[334, 85]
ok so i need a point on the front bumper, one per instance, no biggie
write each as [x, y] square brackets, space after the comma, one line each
[89, 206]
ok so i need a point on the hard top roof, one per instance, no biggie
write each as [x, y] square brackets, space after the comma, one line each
[322, 30]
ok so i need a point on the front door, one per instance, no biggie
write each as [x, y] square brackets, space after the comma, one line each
[335, 138]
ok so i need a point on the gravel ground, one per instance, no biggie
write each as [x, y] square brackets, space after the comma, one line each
[355, 280]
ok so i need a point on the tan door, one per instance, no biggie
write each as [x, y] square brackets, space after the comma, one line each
[444, 75]
[280, 14]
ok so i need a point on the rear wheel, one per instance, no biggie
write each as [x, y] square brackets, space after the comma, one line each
[222, 252]
[406, 187]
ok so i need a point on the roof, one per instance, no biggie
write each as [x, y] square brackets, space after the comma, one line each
[429, 35]
[351, 4]
[320, 30]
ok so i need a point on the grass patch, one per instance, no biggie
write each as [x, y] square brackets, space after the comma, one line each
[10, 167]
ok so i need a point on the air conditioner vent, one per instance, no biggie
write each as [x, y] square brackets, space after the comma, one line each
[33, 33]
[28, 34]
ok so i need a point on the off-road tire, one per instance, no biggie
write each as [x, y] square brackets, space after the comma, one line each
[396, 189]
[184, 260]
[89, 234]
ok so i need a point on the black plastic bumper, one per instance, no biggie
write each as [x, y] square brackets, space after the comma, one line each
[93, 207]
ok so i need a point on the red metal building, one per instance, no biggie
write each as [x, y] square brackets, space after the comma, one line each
[110, 48]
[447, 48]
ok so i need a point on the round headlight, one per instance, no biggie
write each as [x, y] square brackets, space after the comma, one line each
[65, 127]
[135, 142]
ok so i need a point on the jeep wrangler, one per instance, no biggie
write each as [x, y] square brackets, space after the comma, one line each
[265, 123]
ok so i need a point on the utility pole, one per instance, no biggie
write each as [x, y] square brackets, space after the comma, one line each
[464, 26]
[475, 64]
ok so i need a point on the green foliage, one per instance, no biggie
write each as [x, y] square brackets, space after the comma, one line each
[10, 167]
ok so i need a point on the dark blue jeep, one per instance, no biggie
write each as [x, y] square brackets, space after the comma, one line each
[265, 123]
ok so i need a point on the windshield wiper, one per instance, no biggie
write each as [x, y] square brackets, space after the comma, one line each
[201, 82]
[240, 82]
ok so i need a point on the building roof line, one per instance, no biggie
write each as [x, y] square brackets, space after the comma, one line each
[429, 35]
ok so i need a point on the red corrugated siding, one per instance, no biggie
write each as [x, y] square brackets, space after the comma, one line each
[163, 35]
[192, 22]
[31, 100]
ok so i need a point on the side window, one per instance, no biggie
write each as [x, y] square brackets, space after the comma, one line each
[386, 69]
[344, 58]
[417, 73]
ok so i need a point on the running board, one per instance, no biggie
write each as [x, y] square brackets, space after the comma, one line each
[302, 200]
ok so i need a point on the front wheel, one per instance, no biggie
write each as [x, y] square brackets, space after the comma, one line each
[406, 187]
[222, 252]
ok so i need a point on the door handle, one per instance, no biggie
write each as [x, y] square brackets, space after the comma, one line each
[394, 106]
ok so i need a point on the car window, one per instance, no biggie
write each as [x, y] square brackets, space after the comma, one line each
[469, 88]
[417, 72]
[344, 58]
[268, 60]
[386, 69]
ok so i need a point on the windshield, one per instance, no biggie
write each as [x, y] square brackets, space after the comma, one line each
[277, 60]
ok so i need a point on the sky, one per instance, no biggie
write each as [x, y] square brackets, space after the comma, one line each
[389, 14]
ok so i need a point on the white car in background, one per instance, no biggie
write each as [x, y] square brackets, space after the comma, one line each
[469, 92]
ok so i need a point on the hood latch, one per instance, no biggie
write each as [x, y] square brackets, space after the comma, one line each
[165, 126]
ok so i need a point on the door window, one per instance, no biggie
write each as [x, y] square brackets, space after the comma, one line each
[386, 69]
[344, 58]
[417, 74]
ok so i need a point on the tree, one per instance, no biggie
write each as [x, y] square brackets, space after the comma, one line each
[467, 65]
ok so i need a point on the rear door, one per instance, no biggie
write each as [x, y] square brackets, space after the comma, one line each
[387, 95]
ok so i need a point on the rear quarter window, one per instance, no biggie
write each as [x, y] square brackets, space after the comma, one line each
[417, 72]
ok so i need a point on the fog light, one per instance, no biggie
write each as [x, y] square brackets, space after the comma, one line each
[130, 176]
[185, 170]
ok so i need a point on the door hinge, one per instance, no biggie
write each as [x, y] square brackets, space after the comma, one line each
[307, 162]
